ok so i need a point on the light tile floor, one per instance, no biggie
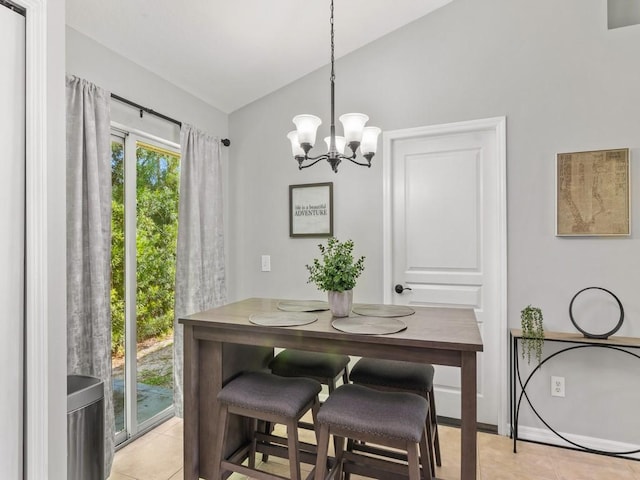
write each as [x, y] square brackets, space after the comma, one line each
[158, 456]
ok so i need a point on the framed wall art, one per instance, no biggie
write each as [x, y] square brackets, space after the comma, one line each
[311, 210]
[592, 193]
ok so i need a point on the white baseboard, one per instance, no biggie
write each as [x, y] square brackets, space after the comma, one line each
[545, 436]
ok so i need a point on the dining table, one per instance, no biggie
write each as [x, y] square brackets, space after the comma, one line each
[224, 341]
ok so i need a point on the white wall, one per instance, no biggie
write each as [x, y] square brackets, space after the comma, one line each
[565, 83]
[56, 403]
[12, 219]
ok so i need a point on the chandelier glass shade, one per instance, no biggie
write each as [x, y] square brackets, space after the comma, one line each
[356, 134]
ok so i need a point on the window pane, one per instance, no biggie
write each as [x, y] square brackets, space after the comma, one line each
[157, 187]
[117, 281]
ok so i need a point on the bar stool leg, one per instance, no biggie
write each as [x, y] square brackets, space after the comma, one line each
[434, 424]
[314, 414]
[428, 470]
[293, 444]
[345, 375]
[323, 448]
[350, 443]
[414, 463]
[338, 443]
[267, 430]
[429, 452]
[331, 383]
[252, 452]
[223, 424]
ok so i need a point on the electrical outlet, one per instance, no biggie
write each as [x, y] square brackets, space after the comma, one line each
[266, 263]
[557, 386]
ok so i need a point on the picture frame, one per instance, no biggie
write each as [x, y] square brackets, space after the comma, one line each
[311, 210]
[593, 193]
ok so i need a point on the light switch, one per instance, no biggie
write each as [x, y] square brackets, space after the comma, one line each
[266, 263]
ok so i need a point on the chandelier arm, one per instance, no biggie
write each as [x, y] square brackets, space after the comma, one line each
[313, 160]
[324, 156]
[352, 160]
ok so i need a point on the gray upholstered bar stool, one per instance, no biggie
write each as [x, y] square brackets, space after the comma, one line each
[263, 396]
[326, 368]
[394, 375]
[391, 419]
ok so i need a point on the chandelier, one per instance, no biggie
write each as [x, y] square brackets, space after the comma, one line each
[356, 135]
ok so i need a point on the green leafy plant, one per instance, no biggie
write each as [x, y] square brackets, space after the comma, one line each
[337, 272]
[532, 332]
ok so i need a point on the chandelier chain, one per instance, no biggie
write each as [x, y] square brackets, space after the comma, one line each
[333, 75]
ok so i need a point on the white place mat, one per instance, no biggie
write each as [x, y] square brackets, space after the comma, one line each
[303, 305]
[383, 310]
[368, 325]
[282, 319]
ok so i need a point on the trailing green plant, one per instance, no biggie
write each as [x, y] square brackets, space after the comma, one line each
[532, 332]
[337, 272]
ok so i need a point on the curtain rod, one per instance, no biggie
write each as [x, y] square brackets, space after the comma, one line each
[16, 8]
[225, 141]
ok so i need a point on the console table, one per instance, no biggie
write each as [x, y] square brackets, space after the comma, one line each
[574, 341]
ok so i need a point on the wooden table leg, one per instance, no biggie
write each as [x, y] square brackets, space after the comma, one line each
[215, 362]
[211, 379]
[469, 416]
[191, 414]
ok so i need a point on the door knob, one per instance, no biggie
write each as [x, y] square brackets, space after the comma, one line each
[399, 288]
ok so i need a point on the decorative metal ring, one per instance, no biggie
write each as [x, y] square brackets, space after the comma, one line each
[597, 335]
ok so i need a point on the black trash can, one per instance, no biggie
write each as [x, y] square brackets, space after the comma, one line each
[85, 428]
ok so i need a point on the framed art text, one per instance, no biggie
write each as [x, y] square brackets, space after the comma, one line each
[311, 210]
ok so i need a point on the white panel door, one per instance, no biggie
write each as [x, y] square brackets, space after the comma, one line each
[446, 241]
[12, 220]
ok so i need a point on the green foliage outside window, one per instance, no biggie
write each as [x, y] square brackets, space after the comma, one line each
[157, 187]
[117, 248]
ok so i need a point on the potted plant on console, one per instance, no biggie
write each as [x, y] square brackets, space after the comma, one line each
[532, 332]
[336, 274]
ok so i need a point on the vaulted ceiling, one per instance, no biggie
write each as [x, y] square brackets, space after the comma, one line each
[232, 52]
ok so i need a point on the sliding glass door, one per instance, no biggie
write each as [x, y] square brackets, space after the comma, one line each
[145, 177]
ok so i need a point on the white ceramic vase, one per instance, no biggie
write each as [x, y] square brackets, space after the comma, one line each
[340, 303]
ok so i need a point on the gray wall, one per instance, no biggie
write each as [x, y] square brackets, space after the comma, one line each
[111, 71]
[622, 13]
[565, 83]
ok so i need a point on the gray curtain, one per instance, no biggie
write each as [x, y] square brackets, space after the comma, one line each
[89, 241]
[200, 272]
